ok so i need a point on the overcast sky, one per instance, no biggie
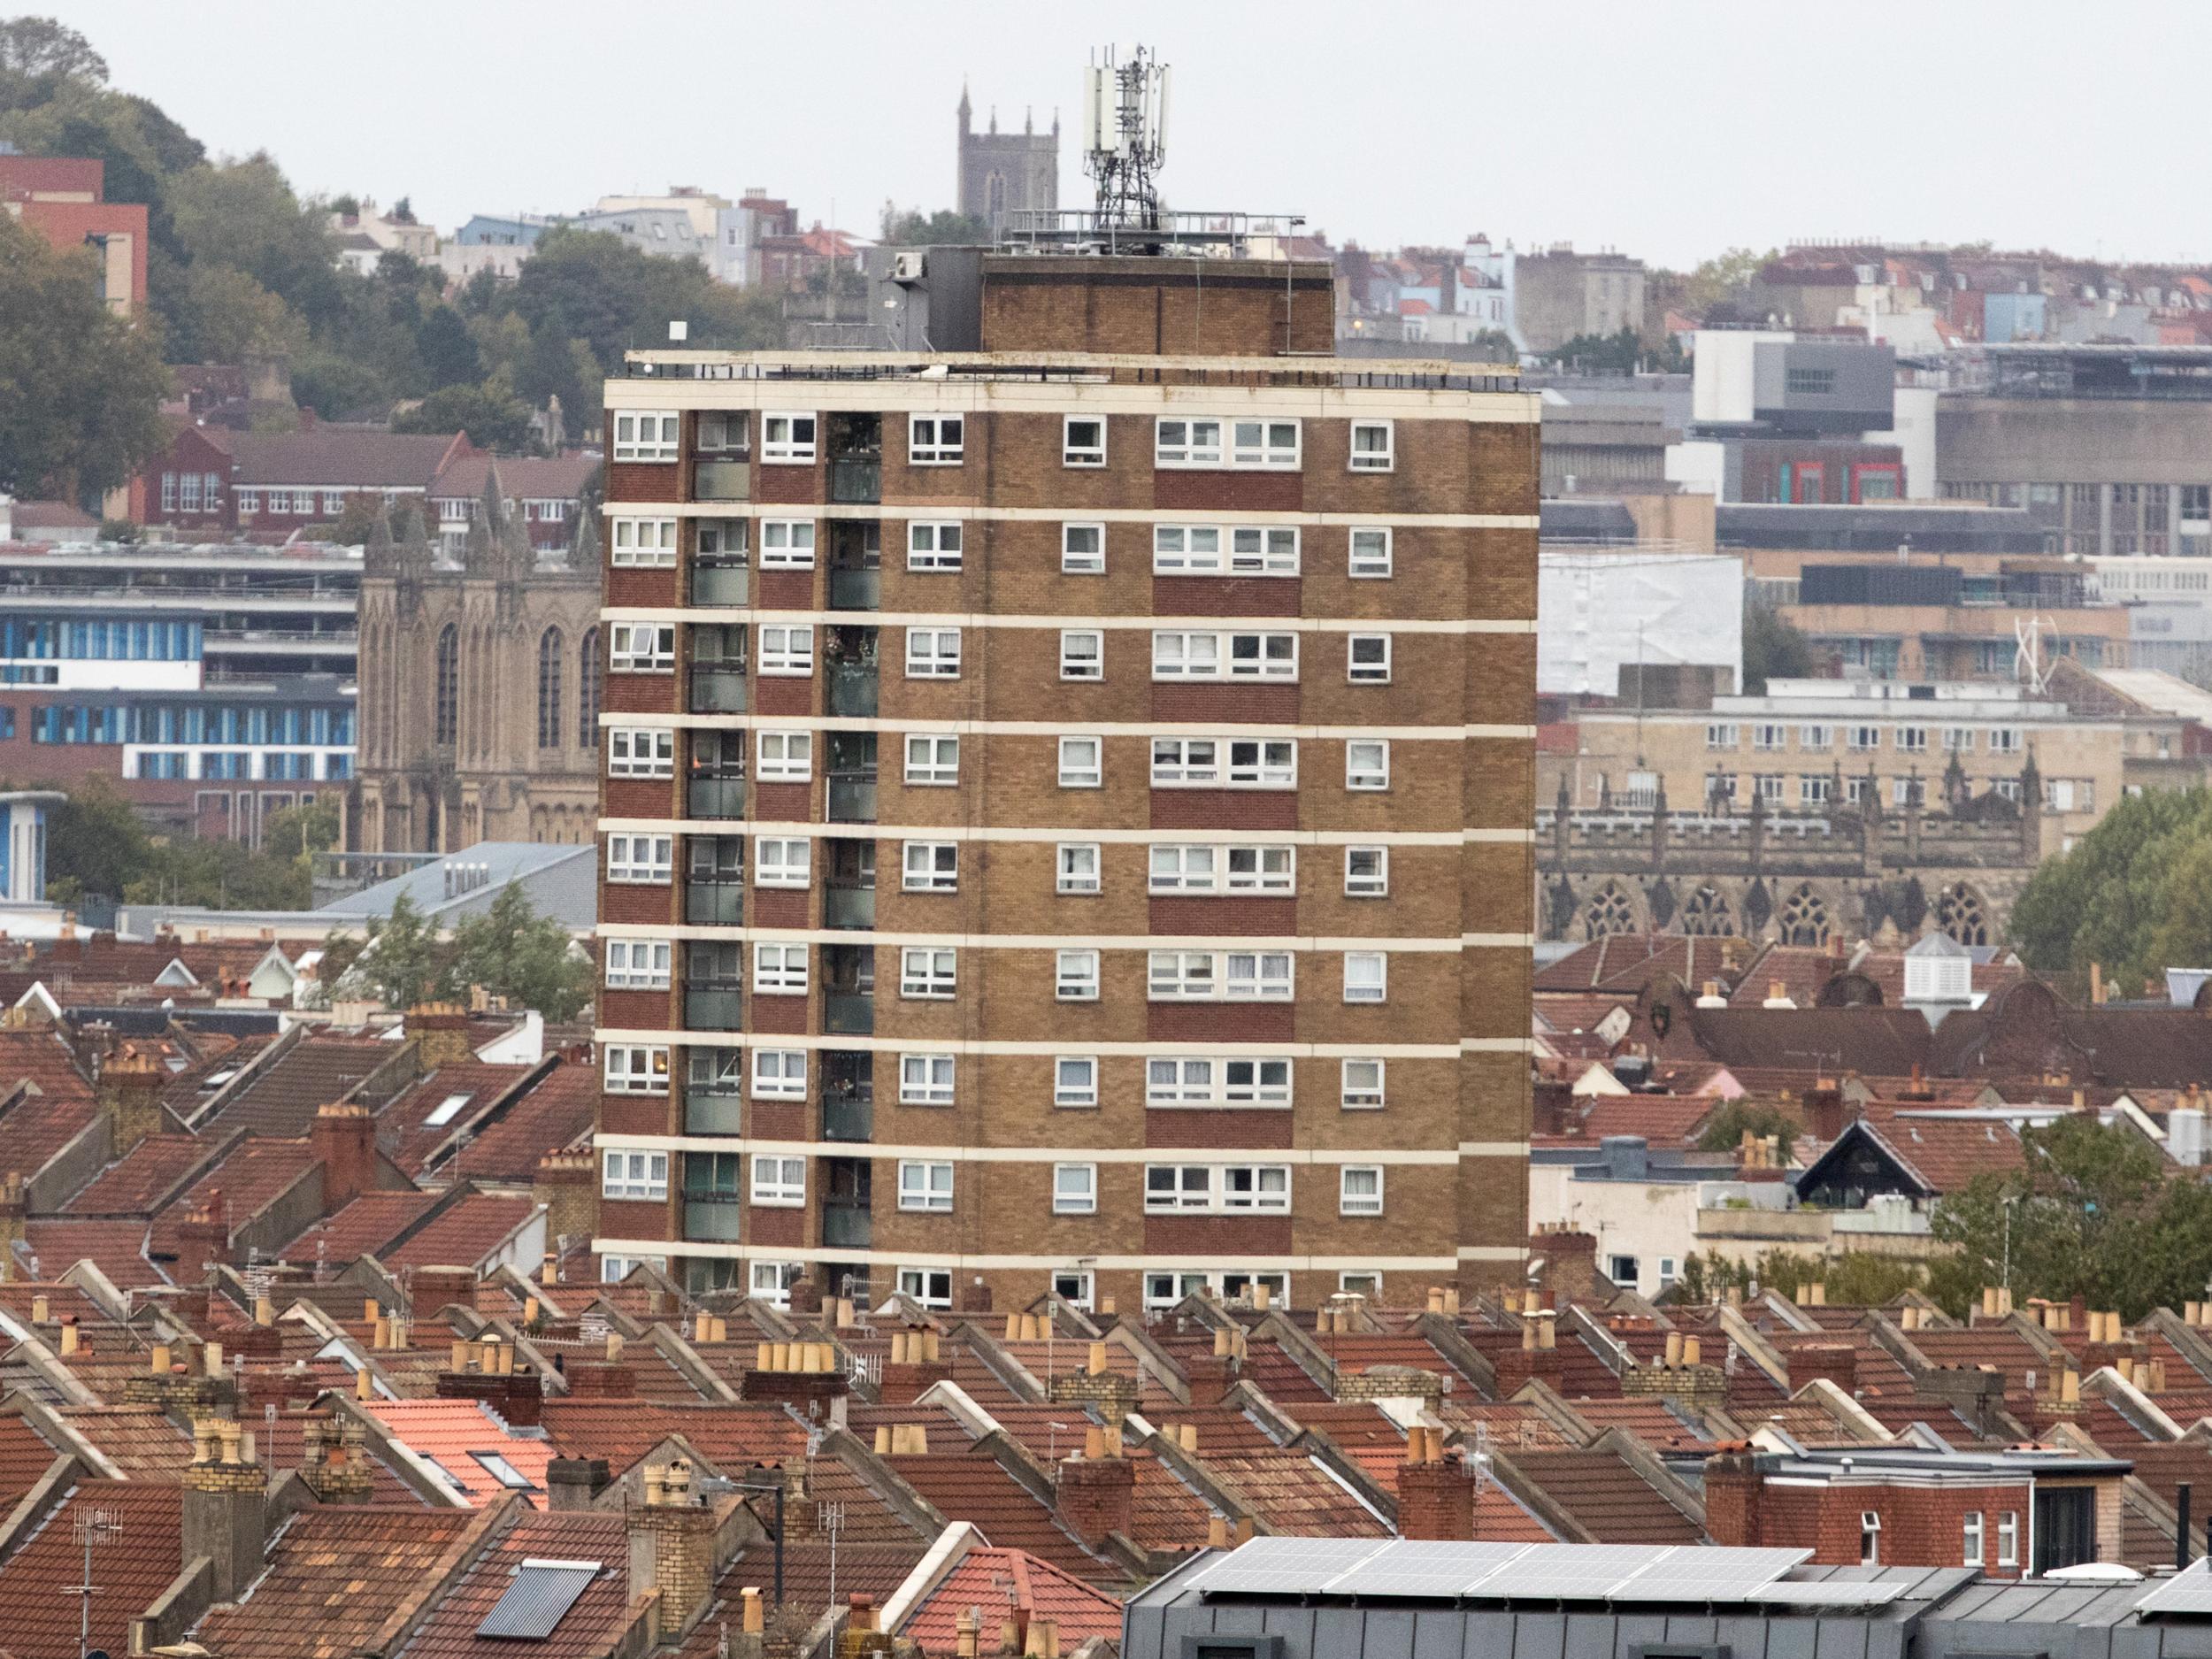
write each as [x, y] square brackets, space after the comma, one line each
[1668, 130]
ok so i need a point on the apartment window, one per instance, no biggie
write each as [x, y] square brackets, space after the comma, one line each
[1862, 737]
[933, 546]
[1359, 1190]
[1083, 442]
[1082, 653]
[1209, 655]
[641, 648]
[1370, 552]
[1075, 1080]
[1076, 977]
[787, 440]
[638, 964]
[647, 435]
[1217, 1187]
[786, 544]
[1263, 550]
[925, 1079]
[1253, 763]
[1769, 785]
[779, 1074]
[639, 860]
[1083, 550]
[636, 1069]
[1363, 1085]
[1367, 662]
[1721, 736]
[1217, 1081]
[779, 1183]
[1815, 736]
[771, 1281]
[249, 503]
[1813, 790]
[1186, 549]
[2008, 1538]
[1367, 764]
[1912, 740]
[1959, 740]
[1869, 1537]
[1077, 863]
[2004, 740]
[1366, 872]
[1074, 1189]
[926, 972]
[1080, 765]
[1970, 1539]
[786, 756]
[936, 440]
[781, 861]
[1366, 976]
[931, 866]
[636, 542]
[926, 1287]
[635, 1175]
[1265, 443]
[1770, 736]
[640, 752]
[785, 650]
[1810, 382]
[933, 653]
[1076, 1287]
[1372, 446]
[932, 760]
[925, 1184]
[1182, 441]
[1180, 975]
[779, 970]
[1185, 868]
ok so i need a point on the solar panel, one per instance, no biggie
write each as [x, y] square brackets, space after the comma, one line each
[1831, 1592]
[1565, 1572]
[1693, 1574]
[2187, 1591]
[1288, 1566]
[1441, 1569]
[538, 1600]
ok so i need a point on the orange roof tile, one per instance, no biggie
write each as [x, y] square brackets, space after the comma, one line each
[451, 1433]
[997, 1578]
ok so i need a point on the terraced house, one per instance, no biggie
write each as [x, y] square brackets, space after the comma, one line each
[1066, 804]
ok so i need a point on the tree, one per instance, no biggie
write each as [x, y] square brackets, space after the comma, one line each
[298, 833]
[2129, 896]
[243, 214]
[95, 843]
[83, 384]
[1724, 1131]
[910, 227]
[221, 875]
[225, 316]
[39, 50]
[402, 964]
[1600, 354]
[491, 414]
[1857, 1278]
[513, 952]
[1772, 648]
[1722, 276]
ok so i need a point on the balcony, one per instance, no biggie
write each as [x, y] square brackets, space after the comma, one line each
[849, 1013]
[711, 1217]
[720, 581]
[715, 903]
[847, 1225]
[718, 688]
[855, 590]
[722, 480]
[856, 478]
[852, 796]
[852, 688]
[849, 1114]
[713, 1108]
[714, 1005]
[714, 794]
[848, 904]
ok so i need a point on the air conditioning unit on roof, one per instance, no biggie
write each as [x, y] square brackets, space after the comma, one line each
[908, 267]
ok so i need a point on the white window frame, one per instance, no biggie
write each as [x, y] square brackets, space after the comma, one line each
[1072, 454]
[1257, 443]
[927, 1080]
[934, 544]
[788, 437]
[1224, 762]
[648, 861]
[1379, 562]
[936, 440]
[918, 1285]
[1076, 1287]
[925, 1186]
[1185, 440]
[786, 544]
[1367, 764]
[1367, 673]
[1075, 1189]
[776, 1181]
[1073, 563]
[632, 1174]
[926, 765]
[1815, 736]
[1205, 549]
[920, 871]
[779, 968]
[929, 973]
[1373, 883]
[1912, 740]
[1077, 772]
[787, 650]
[778, 1074]
[782, 861]
[1219, 1082]
[1208, 654]
[1351, 1203]
[933, 653]
[1082, 653]
[1079, 867]
[771, 1281]
[1075, 1080]
[1075, 977]
[1217, 1188]
[648, 435]
[1367, 977]
[636, 542]
[1722, 735]
[633, 1068]
[1382, 459]
[1973, 1538]
[641, 648]
[1356, 1092]
[1862, 739]
[639, 964]
[792, 761]
[640, 751]
[2008, 1538]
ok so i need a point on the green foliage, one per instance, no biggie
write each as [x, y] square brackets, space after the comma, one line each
[2134, 895]
[1726, 1130]
[1857, 1278]
[121, 531]
[491, 414]
[221, 875]
[223, 315]
[243, 214]
[513, 952]
[95, 843]
[39, 50]
[298, 833]
[1601, 354]
[402, 962]
[2092, 1213]
[1721, 277]
[910, 227]
[1772, 648]
[82, 384]
[595, 287]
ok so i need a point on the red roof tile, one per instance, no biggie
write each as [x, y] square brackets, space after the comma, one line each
[466, 1235]
[333, 1576]
[999, 1578]
[23, 1459]
[966, 1486]
[1603, 1494]
[117, 1248]
[141, 1177]
[586, 1631]
[551, 1116]
[38, 1619]
[363, 1228]
[250, 1177]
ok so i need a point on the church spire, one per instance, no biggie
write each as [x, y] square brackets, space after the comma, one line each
[966, 109]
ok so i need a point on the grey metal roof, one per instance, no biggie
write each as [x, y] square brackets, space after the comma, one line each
[559, 881]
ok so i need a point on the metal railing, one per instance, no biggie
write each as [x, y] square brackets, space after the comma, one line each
[856, 478]
[714, 903]
[714, 796]
[847, 1115]
[712, 1217]
[849, 1013]
[848, 1226]
[853, 689]
[719, 688]
[852, 797]
[714, 1005]
[721, 584]
[713, 1110]
[848, 904]
[855, 590]
[722, 480]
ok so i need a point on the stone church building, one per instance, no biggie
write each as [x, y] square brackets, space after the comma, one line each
[480, 686]
[1007, 172]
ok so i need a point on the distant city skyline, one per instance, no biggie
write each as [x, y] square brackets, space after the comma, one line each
[1670, 133]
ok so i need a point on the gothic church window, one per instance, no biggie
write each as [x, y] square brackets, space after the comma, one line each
[588, 691]
[550, 648]
[446, 709]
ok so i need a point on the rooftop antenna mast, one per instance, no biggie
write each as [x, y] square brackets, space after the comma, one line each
[1124, 138]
